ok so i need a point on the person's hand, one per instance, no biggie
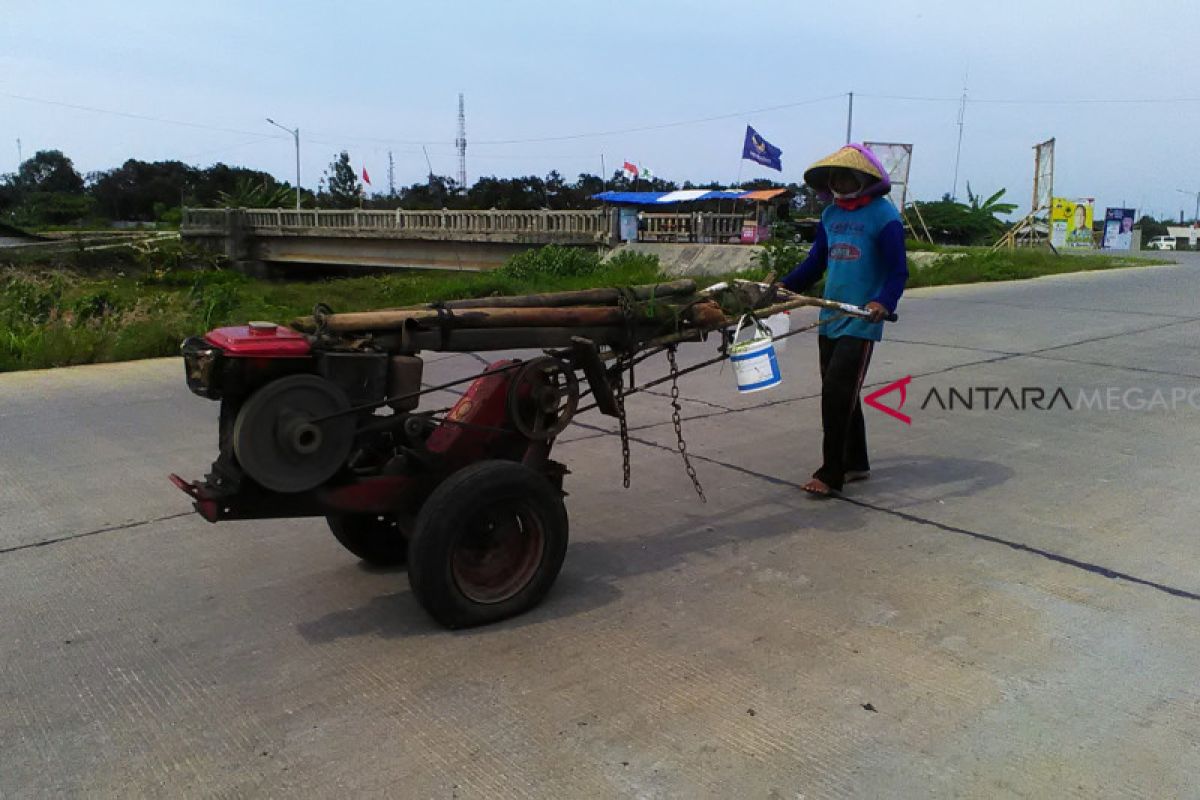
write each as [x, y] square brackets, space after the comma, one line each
[878, 311]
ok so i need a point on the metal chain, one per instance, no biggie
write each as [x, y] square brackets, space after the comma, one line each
[619, 392]
[677, 421]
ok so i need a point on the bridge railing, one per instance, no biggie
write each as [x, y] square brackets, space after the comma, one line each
[698, 226]
[593, 224]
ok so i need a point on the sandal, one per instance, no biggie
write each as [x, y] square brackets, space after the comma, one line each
[818, 488]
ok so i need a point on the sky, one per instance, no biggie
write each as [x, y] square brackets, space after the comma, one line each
[560, 84]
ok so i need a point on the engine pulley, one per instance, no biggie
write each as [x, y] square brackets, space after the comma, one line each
[542, 398]
[278, 444]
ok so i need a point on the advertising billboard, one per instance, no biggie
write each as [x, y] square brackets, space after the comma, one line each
[1071, 223]
[897, 160]
[1043, 174]
[1118, 228]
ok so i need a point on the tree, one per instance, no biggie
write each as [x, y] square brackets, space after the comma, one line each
[510, 194]
[952, 222]
[436, 192]
[10, 192]
[579, 194]
[1151, 228]
[49, 171]
[219, 179]
[341, 184]
[991, 206]
[249, 193]
[54, 208]
[556, 190]
[136, 189]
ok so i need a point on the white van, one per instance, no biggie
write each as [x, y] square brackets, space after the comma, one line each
[1161, 243]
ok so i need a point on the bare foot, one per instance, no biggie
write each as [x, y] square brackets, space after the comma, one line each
[818, 488]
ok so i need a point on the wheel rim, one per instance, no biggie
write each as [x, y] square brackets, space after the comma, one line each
[499, 553]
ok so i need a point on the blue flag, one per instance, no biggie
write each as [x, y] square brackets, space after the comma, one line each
[760, 151]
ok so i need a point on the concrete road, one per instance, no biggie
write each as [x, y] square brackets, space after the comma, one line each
[1008, 608]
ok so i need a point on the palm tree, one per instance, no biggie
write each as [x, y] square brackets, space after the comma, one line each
[247, 193]
[991, 206]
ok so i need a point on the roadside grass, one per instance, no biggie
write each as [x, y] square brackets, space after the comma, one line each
[980, 265]
[123, 304]
[62, 314]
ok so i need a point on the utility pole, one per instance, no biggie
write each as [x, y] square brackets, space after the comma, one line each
[850, 118]
[20, 155]
[461, 144]
[1197, 195]
[429, 164]
[295, 134]
[962, 112]
[603, 175]
[391, 175]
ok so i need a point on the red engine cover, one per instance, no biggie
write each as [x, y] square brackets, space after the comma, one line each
[483, 412]
[259, 339]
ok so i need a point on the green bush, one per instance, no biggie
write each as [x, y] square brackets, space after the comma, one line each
[95, 304]
[215, 302]
[55, 208]
[31, 300]
[630, 261]
[169, 216]
[551, 261]
[147, 338]
[919, 246]
[780, 256]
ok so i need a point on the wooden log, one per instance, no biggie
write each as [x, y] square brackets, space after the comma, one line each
[569, 317]
[487, 339]
[667, 292]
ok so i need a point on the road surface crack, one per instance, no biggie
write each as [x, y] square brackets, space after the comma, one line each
[110, 529]
[1050, 555]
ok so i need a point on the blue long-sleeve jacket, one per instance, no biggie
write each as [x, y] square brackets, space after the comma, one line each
[863, 252]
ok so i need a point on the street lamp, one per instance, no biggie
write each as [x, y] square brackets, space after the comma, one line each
[296, 135]
[1197, 195]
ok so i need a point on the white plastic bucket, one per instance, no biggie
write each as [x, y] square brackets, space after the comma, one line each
[780, 325]
[755, 366]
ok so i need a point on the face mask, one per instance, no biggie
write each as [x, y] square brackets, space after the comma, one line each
[849, 195]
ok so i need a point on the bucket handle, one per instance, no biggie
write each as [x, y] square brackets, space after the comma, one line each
[763, 330]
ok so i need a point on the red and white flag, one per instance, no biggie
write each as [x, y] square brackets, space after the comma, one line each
[366, 177]
[631, 170]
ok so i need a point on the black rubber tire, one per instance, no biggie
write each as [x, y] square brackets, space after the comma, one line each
[377, 539]
[464, 508]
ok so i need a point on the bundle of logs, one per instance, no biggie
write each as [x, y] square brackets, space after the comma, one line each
[623, 319]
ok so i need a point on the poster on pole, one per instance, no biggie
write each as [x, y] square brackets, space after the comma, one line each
[1118, 228]
[629, 224]
[897, 160]
[1043, 175]
[1071, 223]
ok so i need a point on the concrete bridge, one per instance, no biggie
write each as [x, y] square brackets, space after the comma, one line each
[262, 240]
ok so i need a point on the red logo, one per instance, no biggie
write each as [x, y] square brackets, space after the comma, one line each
[843, 251]
[873, 399]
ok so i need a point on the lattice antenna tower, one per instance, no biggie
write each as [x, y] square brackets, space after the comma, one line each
[461, 144]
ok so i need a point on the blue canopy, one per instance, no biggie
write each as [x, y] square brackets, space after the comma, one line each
[667, 198]
[631, 198]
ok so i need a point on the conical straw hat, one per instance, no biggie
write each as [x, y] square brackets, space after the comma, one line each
[852, 156]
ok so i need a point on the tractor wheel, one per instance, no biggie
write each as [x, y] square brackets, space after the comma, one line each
[378, 539]
[487, 544]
